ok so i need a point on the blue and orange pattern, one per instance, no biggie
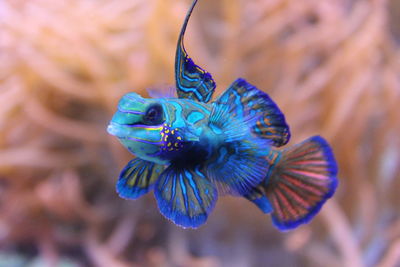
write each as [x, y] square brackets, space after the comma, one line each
[191, 151]
[138, 178]
[300, 180]
[192, 82]
[251, 102]
[185, 196]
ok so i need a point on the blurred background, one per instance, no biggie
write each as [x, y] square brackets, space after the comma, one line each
[333, 67]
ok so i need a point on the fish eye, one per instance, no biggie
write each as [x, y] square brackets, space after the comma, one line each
[154, 115]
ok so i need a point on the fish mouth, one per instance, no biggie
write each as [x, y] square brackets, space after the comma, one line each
[120, 131]
[116, 129]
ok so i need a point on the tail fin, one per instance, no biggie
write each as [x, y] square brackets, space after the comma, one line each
[303, 178]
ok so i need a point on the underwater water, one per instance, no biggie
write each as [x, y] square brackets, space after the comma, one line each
[333, 68]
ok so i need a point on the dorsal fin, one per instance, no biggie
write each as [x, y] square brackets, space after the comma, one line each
[247, 100]
[192, 82]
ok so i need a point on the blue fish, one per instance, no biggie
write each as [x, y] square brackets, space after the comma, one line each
[190, 150]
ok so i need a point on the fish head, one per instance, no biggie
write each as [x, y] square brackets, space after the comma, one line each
[138, 124]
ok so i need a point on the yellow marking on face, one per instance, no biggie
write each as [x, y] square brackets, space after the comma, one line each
[169, 144]
[150, 128]
[166, 131]
[173, 131]
[179, 138]
[155, 129]
[176, 144]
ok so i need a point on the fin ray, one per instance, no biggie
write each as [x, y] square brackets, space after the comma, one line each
[299, 185]
[192, 82]
[300, 181]
[137, 178]
[245, 99]
[185, 196]
[237, 174]
[237, 166]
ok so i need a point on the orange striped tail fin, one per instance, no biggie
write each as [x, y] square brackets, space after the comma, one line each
[300, 181]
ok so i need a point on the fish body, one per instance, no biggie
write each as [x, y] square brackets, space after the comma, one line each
[190, 150]
[187, 134]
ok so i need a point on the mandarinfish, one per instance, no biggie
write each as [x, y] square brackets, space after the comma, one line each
[190, 151]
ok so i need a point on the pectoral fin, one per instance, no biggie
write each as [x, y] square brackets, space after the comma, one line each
[185, 196]
[238, 165]
[137, 178]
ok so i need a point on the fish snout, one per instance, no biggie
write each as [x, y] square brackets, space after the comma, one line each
[116, 129]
